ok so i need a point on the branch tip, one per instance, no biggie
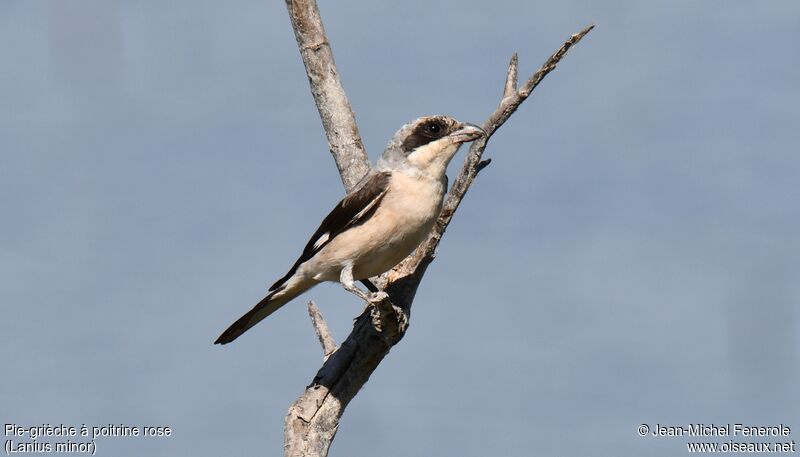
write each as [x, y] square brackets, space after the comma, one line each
[511, 77]
[583, 32]
[321, 329]
[550, 64]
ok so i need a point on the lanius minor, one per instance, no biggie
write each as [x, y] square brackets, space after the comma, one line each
[374, 227]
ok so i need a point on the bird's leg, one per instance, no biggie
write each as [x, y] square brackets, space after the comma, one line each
[346, 278]
[369, 285]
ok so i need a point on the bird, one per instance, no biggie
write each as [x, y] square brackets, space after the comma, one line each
[386, 216]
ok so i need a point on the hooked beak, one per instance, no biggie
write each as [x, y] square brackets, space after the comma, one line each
[467, 132]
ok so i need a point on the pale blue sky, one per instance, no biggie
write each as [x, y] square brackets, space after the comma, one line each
[632, 255]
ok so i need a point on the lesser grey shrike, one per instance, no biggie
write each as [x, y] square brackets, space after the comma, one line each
[388, 214]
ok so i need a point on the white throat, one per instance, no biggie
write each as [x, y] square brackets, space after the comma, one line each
[432, 159]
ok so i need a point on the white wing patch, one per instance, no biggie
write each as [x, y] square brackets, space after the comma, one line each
[325, 237]
[321, 240]
[367, 208]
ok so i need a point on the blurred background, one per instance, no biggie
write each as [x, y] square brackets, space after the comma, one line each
[631, 256]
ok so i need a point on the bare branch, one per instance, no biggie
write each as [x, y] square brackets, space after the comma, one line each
[334, 109]
[511, 77]
[321, 329]
[509, 105]
[551, 63]
[413, 267]
[313, 419]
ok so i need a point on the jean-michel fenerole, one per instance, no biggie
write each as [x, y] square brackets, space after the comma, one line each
[721, 430]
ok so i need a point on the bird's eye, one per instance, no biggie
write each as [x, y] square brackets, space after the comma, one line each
[434, 128]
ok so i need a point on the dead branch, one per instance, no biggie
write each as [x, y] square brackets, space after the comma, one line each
[415, 264]
[313, 419]
[321, 329]
[334, 109]
[511, 78]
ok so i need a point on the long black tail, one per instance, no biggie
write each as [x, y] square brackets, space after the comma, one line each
[264, 308]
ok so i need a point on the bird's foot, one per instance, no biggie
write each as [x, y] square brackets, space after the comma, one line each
[366, 296]
[346, 278]
[387, 317]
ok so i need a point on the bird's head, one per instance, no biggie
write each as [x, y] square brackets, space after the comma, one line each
[427, 144]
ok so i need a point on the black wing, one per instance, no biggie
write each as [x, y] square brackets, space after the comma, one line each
[353, 208]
